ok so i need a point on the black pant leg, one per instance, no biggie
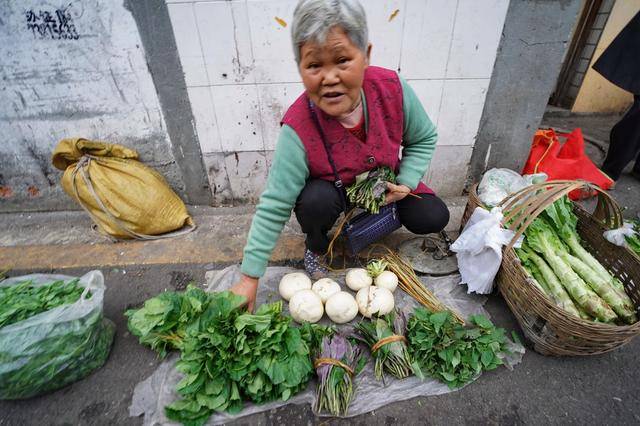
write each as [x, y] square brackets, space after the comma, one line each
[317, 209]
[425, 215]
[624, 142]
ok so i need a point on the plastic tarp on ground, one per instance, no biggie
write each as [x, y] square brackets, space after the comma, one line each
[154, 393]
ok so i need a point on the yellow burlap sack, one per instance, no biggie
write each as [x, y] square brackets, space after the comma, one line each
[125, 198]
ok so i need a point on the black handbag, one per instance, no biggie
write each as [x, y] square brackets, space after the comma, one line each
[365, 228]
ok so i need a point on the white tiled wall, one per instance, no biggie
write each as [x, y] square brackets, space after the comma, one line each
[241, 77]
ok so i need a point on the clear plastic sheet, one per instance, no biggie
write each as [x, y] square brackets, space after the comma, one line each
[57, 347]
[154, 393]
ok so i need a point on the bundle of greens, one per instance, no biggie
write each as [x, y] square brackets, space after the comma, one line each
[24, 300]
[385, 336]
[368, 191]
[63, 344]
[634, 240]
[226, 354]
[568, 273]
[337, 363]
[451, 353]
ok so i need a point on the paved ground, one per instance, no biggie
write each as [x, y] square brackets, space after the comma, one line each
[542, 390]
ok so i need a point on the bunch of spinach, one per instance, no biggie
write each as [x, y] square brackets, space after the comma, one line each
[227, 355]
[56, 350]
[450, 352]
[25, 299]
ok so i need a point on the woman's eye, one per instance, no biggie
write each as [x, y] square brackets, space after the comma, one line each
[312, 65]
[343, 60]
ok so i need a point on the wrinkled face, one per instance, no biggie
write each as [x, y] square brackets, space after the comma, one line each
[333, 72]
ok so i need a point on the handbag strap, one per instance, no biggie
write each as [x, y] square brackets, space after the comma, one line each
[338, 182]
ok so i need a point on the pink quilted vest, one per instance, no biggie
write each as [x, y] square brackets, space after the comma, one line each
[383, 92]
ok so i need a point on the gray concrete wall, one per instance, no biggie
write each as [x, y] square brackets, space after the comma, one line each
[79, 69]
[534, 40]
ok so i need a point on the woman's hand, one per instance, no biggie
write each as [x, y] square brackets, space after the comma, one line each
[247, 287]
[396, 193]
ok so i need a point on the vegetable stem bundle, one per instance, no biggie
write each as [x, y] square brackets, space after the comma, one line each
[338, 362]
[411, 284]
[385, 337]
[368, 191]
[568, 273]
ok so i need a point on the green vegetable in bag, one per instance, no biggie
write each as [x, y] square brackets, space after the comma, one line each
[51, 334]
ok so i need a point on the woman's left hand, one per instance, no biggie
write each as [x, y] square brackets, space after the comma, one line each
[396, 192]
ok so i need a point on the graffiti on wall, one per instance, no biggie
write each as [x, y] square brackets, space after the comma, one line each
[57, 24]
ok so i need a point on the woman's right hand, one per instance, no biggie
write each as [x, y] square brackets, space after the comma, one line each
[247, 287]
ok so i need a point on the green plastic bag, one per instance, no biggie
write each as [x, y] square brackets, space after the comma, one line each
[55, 348]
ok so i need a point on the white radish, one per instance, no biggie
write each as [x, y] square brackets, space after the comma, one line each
[374, 301]
[292, 283]
[325, 288]
[358, 278]
[306, 306]
[341, 307]
[388, 280]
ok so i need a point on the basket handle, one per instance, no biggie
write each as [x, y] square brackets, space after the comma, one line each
[527, 204]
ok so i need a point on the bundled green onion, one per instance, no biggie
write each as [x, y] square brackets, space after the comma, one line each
[368, 191]
[338, 362]
[385, 336]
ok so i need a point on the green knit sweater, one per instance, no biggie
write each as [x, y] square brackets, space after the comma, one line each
[290, 171]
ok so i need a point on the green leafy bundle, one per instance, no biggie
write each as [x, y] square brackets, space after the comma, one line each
[392, 357]
[450, 352]
[368, 191]
[634, 240]
[335, 382]
[227, 355]
[59, 347]
[553, 255]
[24, 300]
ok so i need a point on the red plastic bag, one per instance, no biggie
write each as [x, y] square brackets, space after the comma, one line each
[564, 161]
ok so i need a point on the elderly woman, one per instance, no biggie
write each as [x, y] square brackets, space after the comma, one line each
[367, 114]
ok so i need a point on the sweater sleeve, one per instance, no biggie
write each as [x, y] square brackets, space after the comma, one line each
[287, 177]
[418, 139]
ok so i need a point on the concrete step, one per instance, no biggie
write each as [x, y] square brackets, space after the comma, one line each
[61, 240]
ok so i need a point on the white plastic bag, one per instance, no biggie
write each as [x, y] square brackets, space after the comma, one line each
[496, 184]
[479, 249]
[618, 236]
[54, 348]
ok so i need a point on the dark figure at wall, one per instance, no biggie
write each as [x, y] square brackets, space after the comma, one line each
[620, 64]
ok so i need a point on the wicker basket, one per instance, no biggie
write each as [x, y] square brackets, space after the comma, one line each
[551, 330]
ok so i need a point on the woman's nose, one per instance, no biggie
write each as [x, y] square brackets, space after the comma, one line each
[330, 77]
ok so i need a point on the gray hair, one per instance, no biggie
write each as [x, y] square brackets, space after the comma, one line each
[312, 20]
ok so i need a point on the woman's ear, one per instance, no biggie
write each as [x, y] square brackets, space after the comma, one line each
[369, 53]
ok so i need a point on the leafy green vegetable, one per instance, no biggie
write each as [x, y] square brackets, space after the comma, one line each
[392, 357]
[451, 353]
[25, 299]
[227, 355]
[368, 191]
[335, 384]
[59, 348]
[634, 240]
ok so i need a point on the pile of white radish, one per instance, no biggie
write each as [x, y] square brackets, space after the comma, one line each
[309, 301]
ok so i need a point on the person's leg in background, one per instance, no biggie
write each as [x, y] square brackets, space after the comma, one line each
[624, 142]
[425, 215]
[317, 209]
